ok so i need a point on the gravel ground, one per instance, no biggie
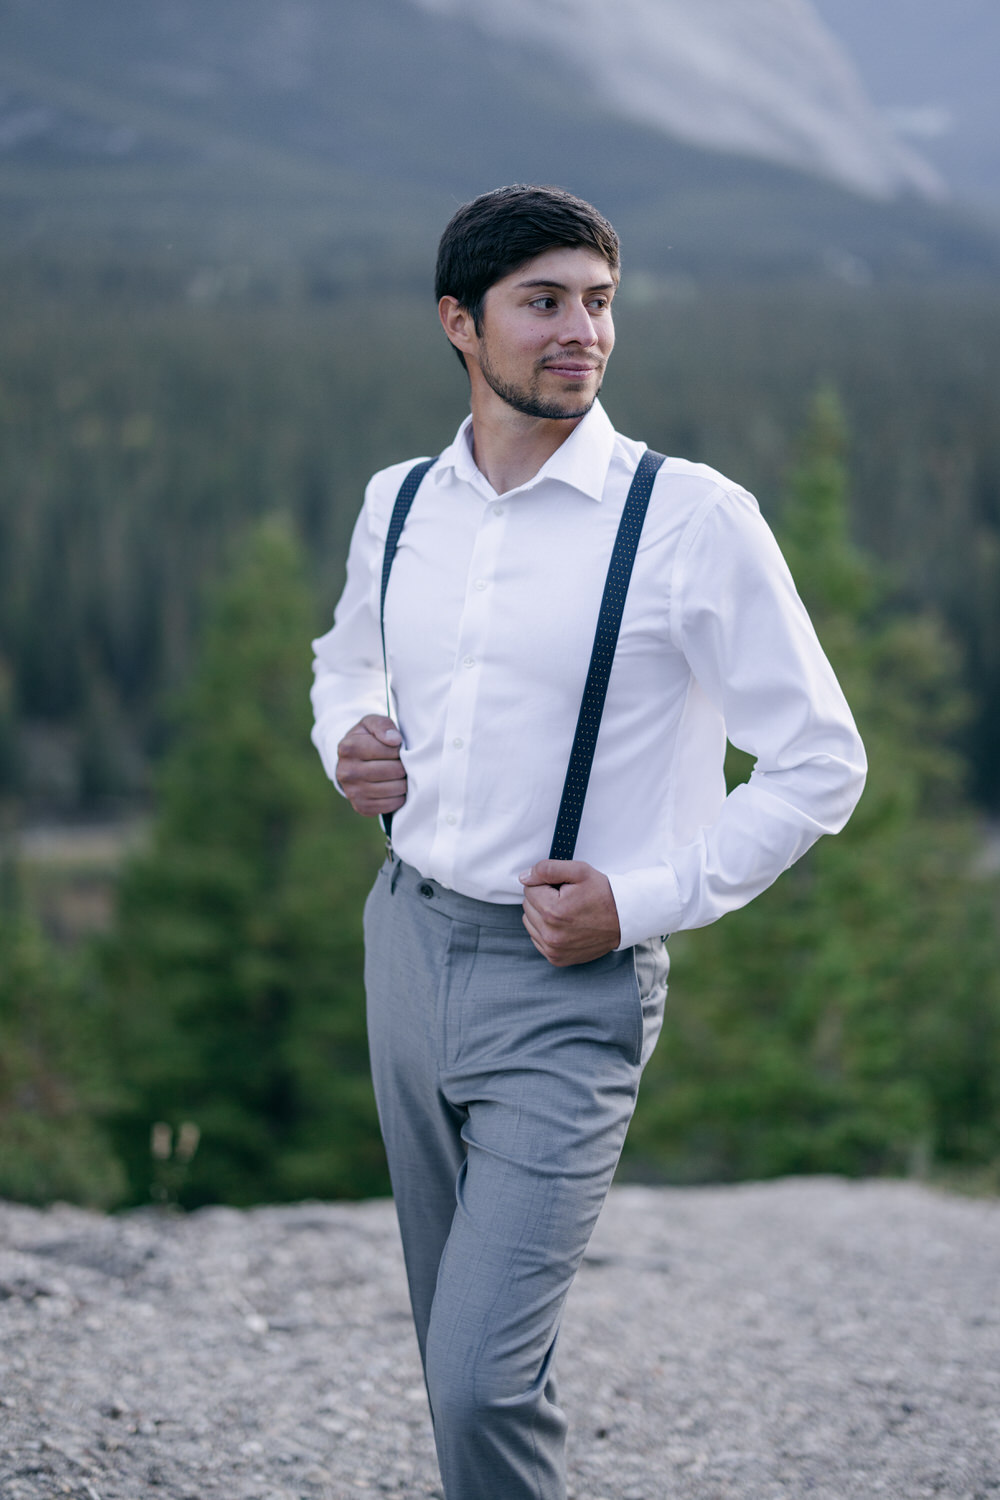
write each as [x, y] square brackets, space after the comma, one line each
[807, 1338]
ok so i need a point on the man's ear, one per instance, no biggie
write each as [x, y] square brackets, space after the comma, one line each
[458, 325]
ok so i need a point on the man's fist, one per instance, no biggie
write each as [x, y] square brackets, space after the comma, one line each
[569, 911]
[369, 770]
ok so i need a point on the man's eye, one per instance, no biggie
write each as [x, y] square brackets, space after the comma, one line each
[544, 302]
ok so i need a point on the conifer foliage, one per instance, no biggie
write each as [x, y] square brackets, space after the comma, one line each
[848, 1020]
[235, 967]
[55, 1084]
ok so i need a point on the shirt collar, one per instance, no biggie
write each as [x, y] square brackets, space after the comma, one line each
[581, 461]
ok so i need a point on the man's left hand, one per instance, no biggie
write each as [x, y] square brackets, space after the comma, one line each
[569, 911]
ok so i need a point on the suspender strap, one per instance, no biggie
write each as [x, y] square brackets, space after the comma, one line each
[608, 624]
[401, 509]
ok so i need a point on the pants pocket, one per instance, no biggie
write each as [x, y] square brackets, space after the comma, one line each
[651, 965]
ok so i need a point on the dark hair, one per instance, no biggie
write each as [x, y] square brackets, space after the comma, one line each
[499, 231]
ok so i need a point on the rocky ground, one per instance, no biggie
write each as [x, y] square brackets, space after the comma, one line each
[813, 1338]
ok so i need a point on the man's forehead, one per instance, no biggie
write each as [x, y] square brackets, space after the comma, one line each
[560, 264]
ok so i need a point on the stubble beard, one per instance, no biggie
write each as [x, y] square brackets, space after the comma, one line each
[528, 399]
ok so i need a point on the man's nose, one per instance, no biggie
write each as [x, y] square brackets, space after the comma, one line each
[579, 327]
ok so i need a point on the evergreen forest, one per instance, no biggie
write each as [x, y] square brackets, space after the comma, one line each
[180, 468]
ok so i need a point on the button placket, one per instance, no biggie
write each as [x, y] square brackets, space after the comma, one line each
[471, 649]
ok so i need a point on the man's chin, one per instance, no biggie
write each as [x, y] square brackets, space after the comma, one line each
[553, 411]
[566, 406]
[574, 416]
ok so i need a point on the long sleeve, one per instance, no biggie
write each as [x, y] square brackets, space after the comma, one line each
[348, 677]
[753, 653]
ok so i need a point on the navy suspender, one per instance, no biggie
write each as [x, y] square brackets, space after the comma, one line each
[400, 511]
[606, 638]
[609, 621]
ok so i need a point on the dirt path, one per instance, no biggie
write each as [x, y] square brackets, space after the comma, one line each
[808, 1338]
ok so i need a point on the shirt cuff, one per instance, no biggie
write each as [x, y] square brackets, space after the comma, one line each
[648, 903]
[326, 744]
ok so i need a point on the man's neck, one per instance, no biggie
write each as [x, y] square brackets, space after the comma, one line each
[509, 447]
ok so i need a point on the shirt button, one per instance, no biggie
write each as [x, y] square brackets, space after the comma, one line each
[451, 820]
[458, 742]
[480, 584]
[498, 510]
[468, 661]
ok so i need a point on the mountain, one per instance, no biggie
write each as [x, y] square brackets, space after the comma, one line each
[763, 78]
[932, 70]
[342, 134]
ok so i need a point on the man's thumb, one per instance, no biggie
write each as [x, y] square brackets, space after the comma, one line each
[383, 729]
[549, 872]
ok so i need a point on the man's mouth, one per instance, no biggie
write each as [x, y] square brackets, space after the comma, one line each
[571, 371]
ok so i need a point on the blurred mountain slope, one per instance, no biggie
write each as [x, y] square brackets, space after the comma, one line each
[932, 67]
[763, 78]
[269, 127]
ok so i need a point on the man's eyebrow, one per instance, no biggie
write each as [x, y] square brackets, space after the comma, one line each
[560, 286]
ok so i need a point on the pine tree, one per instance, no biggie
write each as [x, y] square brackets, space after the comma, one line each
[55, 1086]
[848, 1019]
[236, 961]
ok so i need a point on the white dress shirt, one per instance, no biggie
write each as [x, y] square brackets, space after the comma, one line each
[490, 617]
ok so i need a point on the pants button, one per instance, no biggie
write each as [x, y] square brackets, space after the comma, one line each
[426, 890]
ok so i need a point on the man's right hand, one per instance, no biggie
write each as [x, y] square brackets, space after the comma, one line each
[369, 770]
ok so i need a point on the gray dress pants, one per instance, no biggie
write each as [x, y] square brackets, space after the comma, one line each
[504, 1088]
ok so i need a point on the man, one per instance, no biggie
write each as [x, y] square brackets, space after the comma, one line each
[514, 998]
